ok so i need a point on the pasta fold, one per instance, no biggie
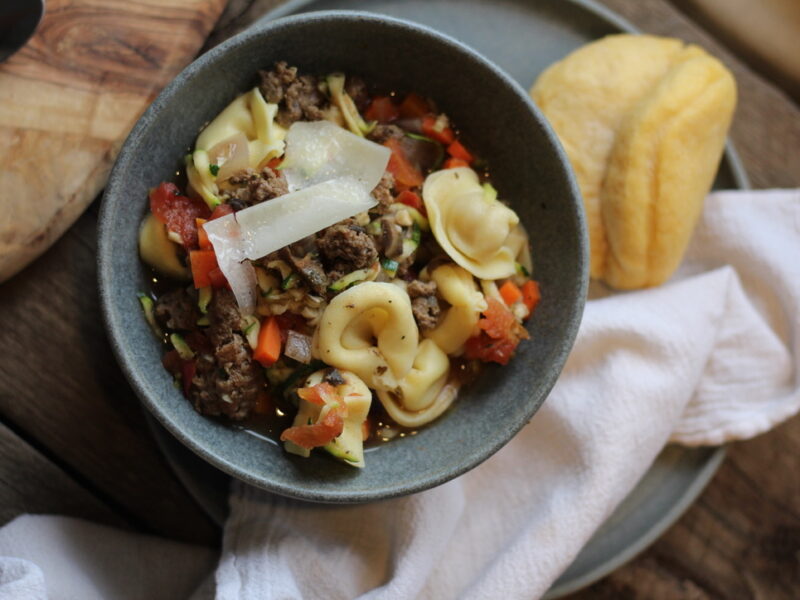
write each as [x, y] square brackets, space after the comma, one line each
[370, 330]
[457, 324]
[469, 225]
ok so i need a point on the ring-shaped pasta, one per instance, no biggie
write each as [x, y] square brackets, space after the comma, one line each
[457, 325]
[472, 228]
[424, 394]
[358, 318]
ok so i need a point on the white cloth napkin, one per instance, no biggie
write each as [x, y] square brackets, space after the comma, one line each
[708, 358]
[712, 356]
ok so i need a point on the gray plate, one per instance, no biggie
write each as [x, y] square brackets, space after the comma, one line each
[522, 37]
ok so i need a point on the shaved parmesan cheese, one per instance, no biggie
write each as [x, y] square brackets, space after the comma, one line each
[320, 150]
[271, 225]
[225, 236]
[330, 173]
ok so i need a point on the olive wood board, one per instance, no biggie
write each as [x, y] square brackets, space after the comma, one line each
[69, 97]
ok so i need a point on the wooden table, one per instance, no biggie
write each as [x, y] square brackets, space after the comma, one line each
[73, 439]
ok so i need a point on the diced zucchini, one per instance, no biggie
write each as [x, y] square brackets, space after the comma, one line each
[520, 268]
[181, 346]
[289, 281]
[374, 228]
[355, 277]
[415, 215]
[204, 296]
[203, 321]
[266, 282]
[489, 192]
[416, 233]
[251, 327]
[149, 315]
[390, 266]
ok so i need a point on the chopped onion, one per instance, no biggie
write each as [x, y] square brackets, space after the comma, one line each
[230, 155]
[298, 347]
[320, 150]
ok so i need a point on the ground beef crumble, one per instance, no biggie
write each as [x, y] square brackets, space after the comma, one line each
[424, 304]
[298, 97]
[346, 247]
[176, 310]
[227, 380]
[383, 194]
[253, 188]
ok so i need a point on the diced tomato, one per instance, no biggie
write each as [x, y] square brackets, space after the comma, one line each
[487, 349]
[497, 320]
[220, 211]
[405, 174]
[414, 105]
[318, 434]
[202, 262]
[452, 163]
[217, 279]
[457, 150]
[500, 335]
[274, 163]
[178, 212]
[531, 295]
[431, 128]
[382, 110]
[202, 237]
[290, 321]
[185, 369]
[187, 374]
[318, 394]
[411, 199]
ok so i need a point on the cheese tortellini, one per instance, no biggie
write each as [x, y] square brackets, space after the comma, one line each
[348, 445]
[458, 322]
[423, 394]
[470, 226]
[244, 133]
[370, 330]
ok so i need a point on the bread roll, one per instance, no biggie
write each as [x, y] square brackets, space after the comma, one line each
[643, 121]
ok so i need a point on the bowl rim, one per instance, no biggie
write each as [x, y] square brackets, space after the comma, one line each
[136, 377]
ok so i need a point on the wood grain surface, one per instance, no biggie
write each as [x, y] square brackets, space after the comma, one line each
[67, 409]
[69, 98]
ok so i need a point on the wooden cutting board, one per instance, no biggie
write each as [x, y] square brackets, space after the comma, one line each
[69, 98]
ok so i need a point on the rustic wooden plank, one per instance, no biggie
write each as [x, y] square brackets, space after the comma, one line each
[61, 386]
[69, 98]
[30, 483]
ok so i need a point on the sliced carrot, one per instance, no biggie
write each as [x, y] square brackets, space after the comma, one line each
[382, 110]
[414, 105]
[202, 236]
[457, 150]
[217, 279]
[405, 174]
[202, 262]
[510, 293]
[453, 163]
[431, 128]
[531, 295]
[268, 348]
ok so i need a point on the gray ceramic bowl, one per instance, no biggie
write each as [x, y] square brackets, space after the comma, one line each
[496, 119]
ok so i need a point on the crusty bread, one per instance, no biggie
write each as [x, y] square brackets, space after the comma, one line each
[643, 121]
